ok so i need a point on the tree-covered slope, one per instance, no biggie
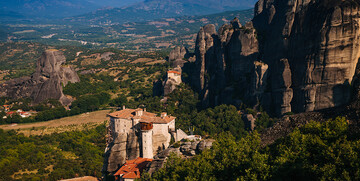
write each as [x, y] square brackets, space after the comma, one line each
[317, 151]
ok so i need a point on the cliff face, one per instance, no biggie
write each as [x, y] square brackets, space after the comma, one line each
[320, 41]
[124, 147]
[227, 67]
[308, 52]
[46, 82]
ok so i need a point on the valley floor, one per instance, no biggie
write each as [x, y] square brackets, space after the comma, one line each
[78, 122]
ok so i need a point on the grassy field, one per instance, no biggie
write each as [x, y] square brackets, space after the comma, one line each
[79, 122]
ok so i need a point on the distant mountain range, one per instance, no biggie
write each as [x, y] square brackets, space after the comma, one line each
[115, 11]
[155, 9]
[55, 8]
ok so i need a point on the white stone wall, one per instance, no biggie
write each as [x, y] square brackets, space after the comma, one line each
[123, 125]
[159, 136]
[180, 134]
[176, 77]
[172, 125]
[163, 129]
[147, 144]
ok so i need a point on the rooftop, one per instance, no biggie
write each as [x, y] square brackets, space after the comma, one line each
[175, 72]
[146, 117]
[132, 168]
[52, 50]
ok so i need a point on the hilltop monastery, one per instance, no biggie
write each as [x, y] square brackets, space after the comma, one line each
[154, 131]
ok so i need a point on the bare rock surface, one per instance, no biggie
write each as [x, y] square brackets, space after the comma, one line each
[107, 56]
[308, 53]
[46, 83]
[227, 65]
[179, 53]
[124, 147]
[320, 41]
[185, 150]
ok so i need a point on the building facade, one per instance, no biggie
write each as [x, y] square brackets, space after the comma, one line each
[154, 131]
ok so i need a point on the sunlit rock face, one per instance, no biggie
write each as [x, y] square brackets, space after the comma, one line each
[47, 81]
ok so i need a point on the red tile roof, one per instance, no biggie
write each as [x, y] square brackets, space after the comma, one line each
[132, 168]
[132, 175]
[12, 112]
[147, 117]
[175, 72]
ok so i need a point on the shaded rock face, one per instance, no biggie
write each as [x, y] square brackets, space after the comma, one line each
[295, 56]
[315, 46]
[124, 147]
[46, 82]
[179, 53]
[226, 65]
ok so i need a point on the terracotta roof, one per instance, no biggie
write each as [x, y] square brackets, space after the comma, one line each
[12, 112]
[175, 72]
[132, 168]
[86, 178]
[135, 174]
[147, 117]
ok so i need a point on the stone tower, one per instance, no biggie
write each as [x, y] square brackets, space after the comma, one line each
[146, 140]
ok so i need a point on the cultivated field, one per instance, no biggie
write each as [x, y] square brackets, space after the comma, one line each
[79, 122]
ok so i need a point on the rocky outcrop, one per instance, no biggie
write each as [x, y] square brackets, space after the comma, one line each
[320, 42]
[179, 56]
[124, 147]
[295, 56]
[173, 79]
[249, 121]
[107, 56]
[179, 53]
[46, 83]
[227, 66]
[186, 149]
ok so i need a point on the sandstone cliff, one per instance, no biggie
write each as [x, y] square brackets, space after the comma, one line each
[320, 42]
[227, 66]
[47, 81]
[295, 56]
[124, 147]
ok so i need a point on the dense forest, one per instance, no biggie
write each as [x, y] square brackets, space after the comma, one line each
[317, 151]
[52, 157]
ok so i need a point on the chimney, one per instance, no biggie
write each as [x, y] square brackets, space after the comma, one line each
[144, 109]
[124, 107]
[163, 115]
